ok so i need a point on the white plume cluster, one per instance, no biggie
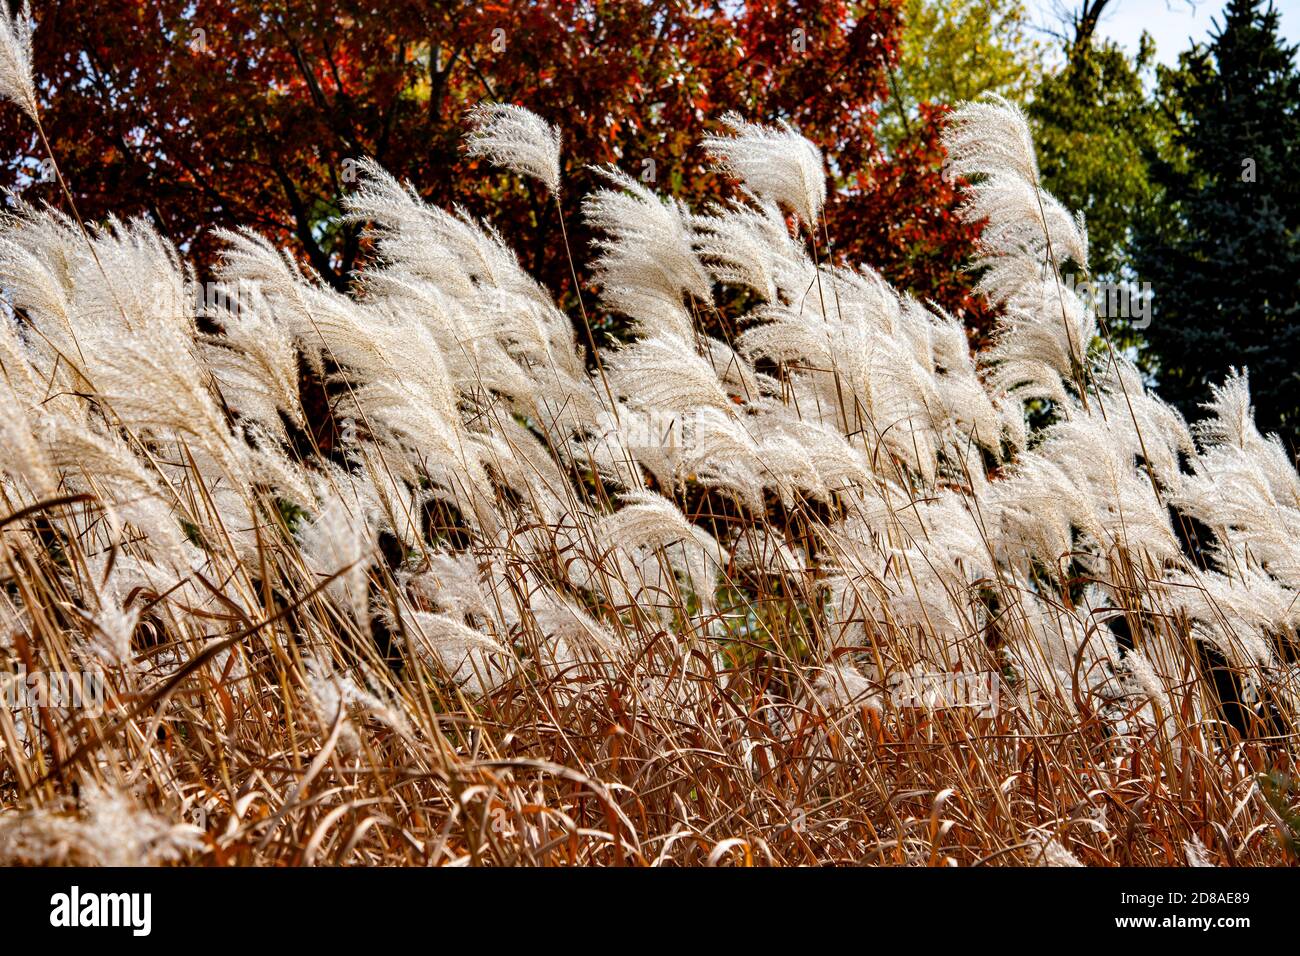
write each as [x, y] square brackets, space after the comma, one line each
[520, 140]
[463, 386]
[495, 507]
[109, 829]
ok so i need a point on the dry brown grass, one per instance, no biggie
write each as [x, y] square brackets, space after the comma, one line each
[692, 752]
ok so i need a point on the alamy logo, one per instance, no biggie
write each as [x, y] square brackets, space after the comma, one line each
[980, 691]
[213, 299]
[74, 909]
[643, 430]
[77, 690]
[1115, 300]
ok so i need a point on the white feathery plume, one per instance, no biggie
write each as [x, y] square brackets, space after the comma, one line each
[450, 249]
[95, 460]
[1242, 488]
[470, 658]
[340, 543]
[1231, 420]
[1031, 515]
[758, 548]
[990, 134]
[723, 454]
[1120, 504]
[573, 633]
[111, 626]
[1231, 425]
[110, 830]
[747, 246]
[517, 139]
[498, 330]
[255, 366]
[23, 456]
[665, 372]
[814, 457]
[17, 373]
[1053, 854]
[36, 257]
[251, 260]
[1196, 853]
[1233, 610]
[842, 686]
[867, 384]
[775, 163]
[646, 526]
[1026, 238]
[1139, 670]
[735, 374]
[451, 585]
[960, 398]
[646, 263]
[333, 692]
[1141, 423]
[123, 319]
[16, 82]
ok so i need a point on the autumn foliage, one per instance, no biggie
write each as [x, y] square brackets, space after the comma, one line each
[222, 113]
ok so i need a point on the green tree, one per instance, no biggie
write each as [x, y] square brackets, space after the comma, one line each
[1222, 249]
[1095, 127]
[955, 50]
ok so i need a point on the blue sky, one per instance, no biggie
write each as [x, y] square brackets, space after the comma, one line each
[1171, 23]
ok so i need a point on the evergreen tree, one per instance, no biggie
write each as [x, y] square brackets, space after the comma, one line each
[1094, 126]
[1222, 250]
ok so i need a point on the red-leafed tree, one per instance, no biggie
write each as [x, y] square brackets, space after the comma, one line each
[206, 113]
